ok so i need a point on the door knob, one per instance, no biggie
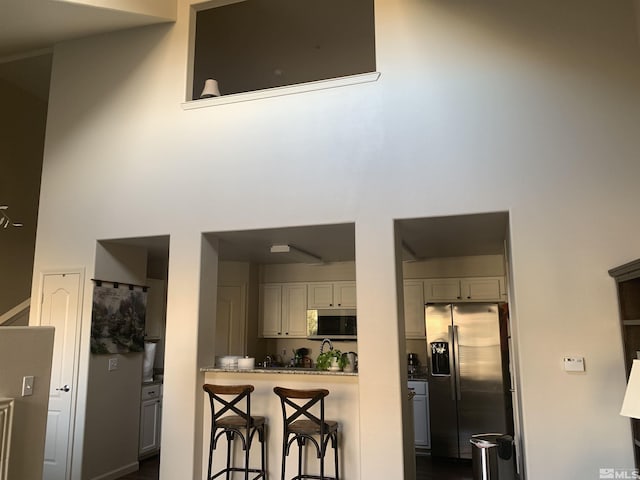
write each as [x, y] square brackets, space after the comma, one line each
[66, 388]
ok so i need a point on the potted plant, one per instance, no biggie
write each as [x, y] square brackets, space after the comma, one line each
[331, 360]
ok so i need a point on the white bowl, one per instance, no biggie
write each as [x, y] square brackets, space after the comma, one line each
[246, 363]
[229, 361]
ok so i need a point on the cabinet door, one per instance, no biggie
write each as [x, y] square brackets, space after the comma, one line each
[320, 295]
[294, 310]
[488, 288]
[149, 426]
[441, 290]
[230, 321]
[420, 420]
[414, 325]
[271, 310]
[344, 294]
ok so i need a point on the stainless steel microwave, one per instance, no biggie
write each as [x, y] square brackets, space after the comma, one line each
[332, 323]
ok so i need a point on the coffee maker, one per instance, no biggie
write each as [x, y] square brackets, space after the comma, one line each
[413, 363]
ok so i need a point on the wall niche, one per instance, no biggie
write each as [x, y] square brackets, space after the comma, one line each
[254, 45]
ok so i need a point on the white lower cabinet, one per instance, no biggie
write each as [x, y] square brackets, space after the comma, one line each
[150, 420]
[421, 426]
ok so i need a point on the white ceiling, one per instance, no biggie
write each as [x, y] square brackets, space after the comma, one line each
[453, 236]
[30, 25]
[30, 28]
[435, 237]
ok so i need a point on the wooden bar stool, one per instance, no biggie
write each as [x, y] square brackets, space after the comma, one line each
[229, 419]
[300, 425]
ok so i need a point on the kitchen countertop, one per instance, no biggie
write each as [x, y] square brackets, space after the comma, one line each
[283, 370]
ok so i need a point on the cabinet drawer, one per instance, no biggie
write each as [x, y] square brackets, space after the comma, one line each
[151, 391]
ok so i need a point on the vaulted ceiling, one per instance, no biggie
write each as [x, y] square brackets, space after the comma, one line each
[30, 28]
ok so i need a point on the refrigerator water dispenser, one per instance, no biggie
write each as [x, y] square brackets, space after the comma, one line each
[440, 358]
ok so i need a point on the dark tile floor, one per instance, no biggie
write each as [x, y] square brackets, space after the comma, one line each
[427, 468]
[149, 470]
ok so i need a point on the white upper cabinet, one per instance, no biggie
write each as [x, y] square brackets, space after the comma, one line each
[442, 289]
[283, 310]
[294, 310]
[478, 289]
[414, 325]
[271, 309]
[332, 295]
[344, 294]
[320, 295]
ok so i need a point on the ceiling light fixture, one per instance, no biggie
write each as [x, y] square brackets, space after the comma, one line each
[296, 253]
[5, 220]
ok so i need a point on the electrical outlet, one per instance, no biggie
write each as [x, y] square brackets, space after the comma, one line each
[27, 386]
[113, 364]
[574, 364]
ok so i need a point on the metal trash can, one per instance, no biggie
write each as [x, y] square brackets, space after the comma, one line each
[492, 456]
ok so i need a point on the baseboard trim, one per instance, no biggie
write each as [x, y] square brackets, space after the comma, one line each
[119, 472]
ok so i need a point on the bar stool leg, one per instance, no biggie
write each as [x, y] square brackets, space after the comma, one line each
[229, 437]
[300, 445]
[334, 443]
[246, 458]
[321, 453]
[263, 448]
[210, 457]
[284, 456]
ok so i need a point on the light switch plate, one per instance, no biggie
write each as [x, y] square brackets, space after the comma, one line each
[113, 363]
[27, 386]
[574, 364]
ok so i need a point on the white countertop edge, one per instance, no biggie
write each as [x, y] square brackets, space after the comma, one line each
[287, 371]
[280, 91]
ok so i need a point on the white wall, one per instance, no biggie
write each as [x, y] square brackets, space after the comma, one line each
[529, 107]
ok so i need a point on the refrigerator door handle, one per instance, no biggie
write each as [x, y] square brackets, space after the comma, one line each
[452, 363]
[456, 355]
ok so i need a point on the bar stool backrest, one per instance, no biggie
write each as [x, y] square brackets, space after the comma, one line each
[293, 409]
[217, 394]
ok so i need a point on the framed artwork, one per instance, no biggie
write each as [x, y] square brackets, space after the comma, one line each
[117, 318]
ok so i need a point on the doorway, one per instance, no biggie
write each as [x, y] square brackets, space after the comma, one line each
[454, 263]
[124, 390]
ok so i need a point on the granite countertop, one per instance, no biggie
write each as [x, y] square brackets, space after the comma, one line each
[281, 370]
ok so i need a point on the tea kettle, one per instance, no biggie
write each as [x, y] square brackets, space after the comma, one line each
[352, 362]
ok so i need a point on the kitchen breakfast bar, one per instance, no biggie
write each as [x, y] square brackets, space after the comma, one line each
[341, 405]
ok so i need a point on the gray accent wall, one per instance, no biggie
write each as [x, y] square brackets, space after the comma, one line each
[26, 351]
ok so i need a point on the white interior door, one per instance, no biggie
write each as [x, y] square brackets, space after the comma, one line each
[61, 309]
[230, 321]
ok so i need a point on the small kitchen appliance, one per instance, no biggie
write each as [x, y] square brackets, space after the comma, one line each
[413, 363]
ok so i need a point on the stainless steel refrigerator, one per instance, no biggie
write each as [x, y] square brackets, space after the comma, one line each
[468, 375]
